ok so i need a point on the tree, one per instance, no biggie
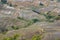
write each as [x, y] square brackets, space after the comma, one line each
[4, 1]
[58, 0]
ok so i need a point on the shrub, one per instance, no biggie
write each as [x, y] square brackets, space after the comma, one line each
[15, 37]
[57, 18]
[10, 5]
[6, 38]
[41, 4]
[3, 30]
[58, 0]
[49, 17]
[4, 1]
[36, 37]
[20, 18]
[15, 27]
[35, 20]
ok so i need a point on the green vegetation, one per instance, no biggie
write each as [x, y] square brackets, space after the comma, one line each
[57, 18]
[30, 22]
[58, 0]
[15, 27]
[49, 17]
[41, 4]
[21, 18]
[4, 30]
[36, 37]
[4, 1]
[52, 0]
[10, 5]
[57, 39]
[15, 37]
[35, 20]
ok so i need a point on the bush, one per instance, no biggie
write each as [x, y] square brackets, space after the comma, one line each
[10, 5]
[35, 20]
[58, 0]
[15, 37]
[4, 1]
[36, 37]
[15, 27]
[41, 4]
[49, 17]
[3, 30]
[57, 18]
[21, 18]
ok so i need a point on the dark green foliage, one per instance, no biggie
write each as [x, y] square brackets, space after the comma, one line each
[58, 0]
[4, 1]
[10, 5]
[3, 30]
[21, 18]
[41, 4]
[30, 22]
[35, 20]
[15, 27]
[52, 0]
[49, 17]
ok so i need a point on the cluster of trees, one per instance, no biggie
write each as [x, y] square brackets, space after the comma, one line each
[4, 1]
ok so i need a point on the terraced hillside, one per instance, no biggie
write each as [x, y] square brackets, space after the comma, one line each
[29, 20]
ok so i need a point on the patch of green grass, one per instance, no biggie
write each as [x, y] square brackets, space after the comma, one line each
[36, 37]
[29, 23]
[15, 37]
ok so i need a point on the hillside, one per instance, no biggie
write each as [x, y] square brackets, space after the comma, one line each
[29, 19]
